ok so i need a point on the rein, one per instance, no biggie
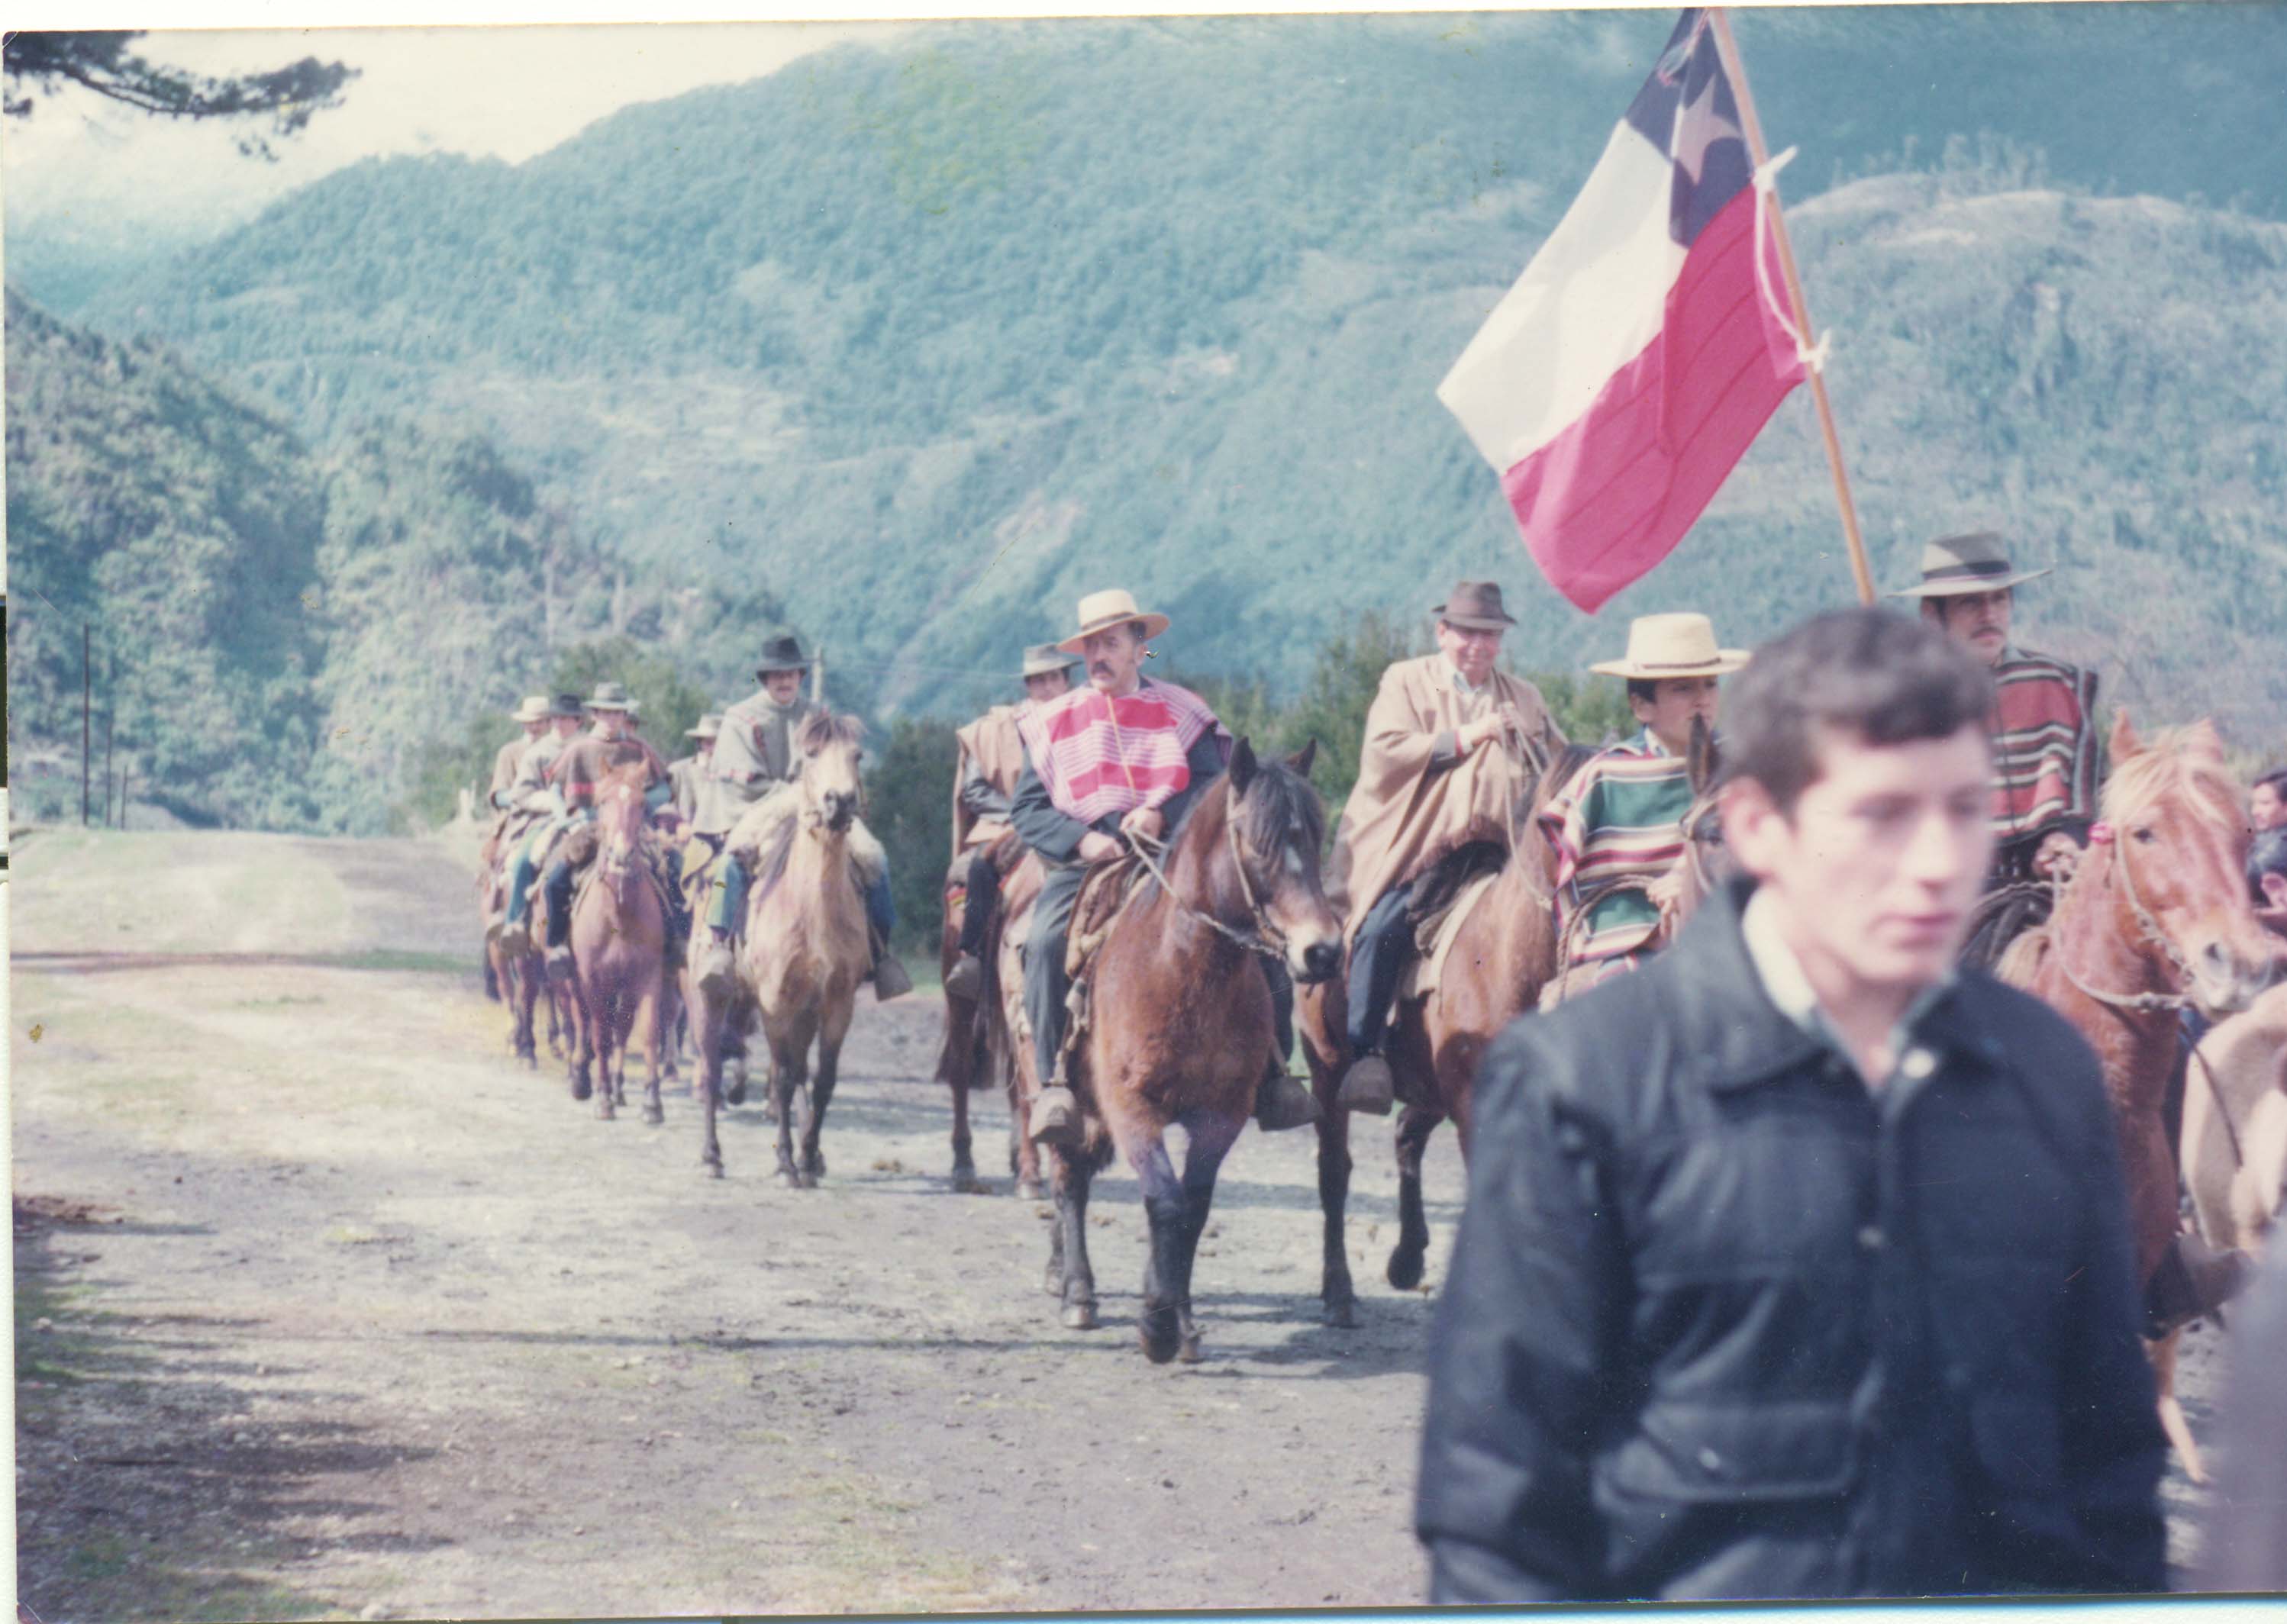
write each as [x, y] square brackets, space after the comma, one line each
[2150, 934]
[1268, 940]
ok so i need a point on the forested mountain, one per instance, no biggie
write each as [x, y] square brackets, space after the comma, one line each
[920, 343]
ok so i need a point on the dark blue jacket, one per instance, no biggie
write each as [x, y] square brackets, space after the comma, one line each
[1723, 1322]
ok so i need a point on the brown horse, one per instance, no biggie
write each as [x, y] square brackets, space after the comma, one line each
[619, 949]
[2156, 918]
[806, 947]
[1502, 956]
[1181, 1028]
[974, 1050]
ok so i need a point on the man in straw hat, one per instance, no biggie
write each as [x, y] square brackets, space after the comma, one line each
[1616, 827]
[1450, 742]
[532, 715]
[576, 774]
[1125, 756]
[533, 806]
[2045, 755]
[752, 755]
[687, 773]
[990, 762]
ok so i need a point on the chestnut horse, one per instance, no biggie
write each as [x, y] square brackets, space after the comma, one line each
[1504, 953]
[619, 949]
[974, 1050]
[1181, 1029]
[2154, 918]
[806, 946]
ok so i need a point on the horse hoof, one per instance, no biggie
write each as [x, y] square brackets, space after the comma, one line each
[1404, 1271]
[654, 1116]
[1156, 1331]
[1029, 1190]
[787, 1179]
[713, 1165]
[1052, 1281]
[1342, 1314]
[1189, 1352]
[581, 1088]
[1080, 1316]
[736, 1094]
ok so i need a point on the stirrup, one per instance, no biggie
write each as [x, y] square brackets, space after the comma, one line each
[965, 979]
[1368, 1086]
[515, 939]
[891, 980]
[1054, 1117]
[718, 969]
[1282, 1102]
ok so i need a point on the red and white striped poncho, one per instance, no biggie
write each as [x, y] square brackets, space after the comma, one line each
[1098, 756]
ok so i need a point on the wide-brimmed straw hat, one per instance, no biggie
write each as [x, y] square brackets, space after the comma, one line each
[1099, 609]
[1953, 567]
[566, 705]
[1046, 660]
[782, 652]
[534, 707]
[709, 725]
[1474, 605]
[611, 696]
[1672, 646]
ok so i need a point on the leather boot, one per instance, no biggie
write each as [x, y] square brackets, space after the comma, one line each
[1368, 1086]
[718, 971]
[965, 979]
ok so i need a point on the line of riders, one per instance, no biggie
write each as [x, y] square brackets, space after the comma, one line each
[1077, 776]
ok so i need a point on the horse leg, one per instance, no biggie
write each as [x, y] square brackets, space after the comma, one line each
[1336, 1290]
[654, 1008]
[579, 1033]
[787, 1064]
[596, 1011]
[831, 1032]
[960, 1068]
[1052, 1279]
[1073, 1176]
[1211, 1138]
[2177, 1430]
[708, 1023]
[1161, 1329]
[1415, 1124]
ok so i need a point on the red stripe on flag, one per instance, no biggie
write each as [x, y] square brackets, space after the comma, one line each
[1611, 496]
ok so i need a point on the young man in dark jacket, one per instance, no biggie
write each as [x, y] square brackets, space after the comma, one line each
[1797, 1264]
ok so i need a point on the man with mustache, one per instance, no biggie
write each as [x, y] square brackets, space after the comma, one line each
[1796, 1263]
[536, 814]
[1451, 743]
[1125, 757]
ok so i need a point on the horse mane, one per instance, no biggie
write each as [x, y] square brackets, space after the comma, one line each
[1279, 801]
[1561, 770]
[823, 727]
[2182, 764]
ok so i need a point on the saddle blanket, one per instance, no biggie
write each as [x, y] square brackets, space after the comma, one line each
[1424, 972]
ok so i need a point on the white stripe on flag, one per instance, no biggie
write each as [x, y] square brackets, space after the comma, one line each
[1593, 297]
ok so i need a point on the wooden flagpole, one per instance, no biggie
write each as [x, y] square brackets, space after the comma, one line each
[1730, 48]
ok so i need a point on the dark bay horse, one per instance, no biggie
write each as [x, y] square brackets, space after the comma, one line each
[1180, 1028]
[619, 949]
[2156, 918]
[975, 1051]
[1504, 953]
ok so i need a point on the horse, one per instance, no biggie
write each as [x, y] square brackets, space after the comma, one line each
[2156, 918]
[806, 947]
[1180, 1028]
[2234, 1147]
[522, 981]
[976, 1044]
[619, 949]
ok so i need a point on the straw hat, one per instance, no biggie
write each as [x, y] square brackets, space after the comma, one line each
[1474, 605]
[611, 696]
[782, 652]
[533, 708]
[1046, 660]
[1672, 646]
[710, 726]
[1099, 609]
[1953, 567]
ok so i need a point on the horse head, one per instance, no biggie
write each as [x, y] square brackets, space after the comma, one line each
[1277, 829]
[619, 817]
[2177, 841]
[832, 790]
[1706, 863]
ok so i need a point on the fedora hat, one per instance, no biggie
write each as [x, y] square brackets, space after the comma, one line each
[1099, 609]
[709, 725]
[533, 708]
[1046, 660]
[1474, 605]
[611, 696]
[566, 705]
[1672, 646]
[1956, 565]
[782, 652]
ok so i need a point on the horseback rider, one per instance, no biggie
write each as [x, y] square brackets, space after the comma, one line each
[1617, 826]
[752, 755]
[533, 714]
[534, 809]
[577, 774]
[687, 773]
[991, 757]
[1123, 759]
[1447, 743]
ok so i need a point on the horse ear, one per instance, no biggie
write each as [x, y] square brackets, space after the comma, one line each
[1301, 758]
[1699, 756]
[2124, 742]
[1242, 766]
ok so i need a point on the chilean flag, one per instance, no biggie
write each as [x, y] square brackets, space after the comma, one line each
[1644, 347]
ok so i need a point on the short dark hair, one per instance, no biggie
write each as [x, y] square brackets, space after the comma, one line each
[1869, 672]
[2276, 778]
[2267, 856]
[1646, 689]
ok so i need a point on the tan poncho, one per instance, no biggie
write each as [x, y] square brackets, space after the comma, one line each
[992, 743]
[1402, 817]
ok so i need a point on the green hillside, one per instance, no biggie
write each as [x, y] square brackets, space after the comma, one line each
[922, 344]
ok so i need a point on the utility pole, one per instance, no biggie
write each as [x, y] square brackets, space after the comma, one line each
[86, 717]
[110, 717]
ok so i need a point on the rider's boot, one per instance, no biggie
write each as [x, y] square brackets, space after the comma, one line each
[1368, 1086]
[965, 979]
[717, 966]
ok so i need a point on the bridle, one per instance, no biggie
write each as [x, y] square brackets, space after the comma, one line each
[2150, 936]
[1268, 939]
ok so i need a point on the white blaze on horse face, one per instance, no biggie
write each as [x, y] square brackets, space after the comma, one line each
[1876, 871]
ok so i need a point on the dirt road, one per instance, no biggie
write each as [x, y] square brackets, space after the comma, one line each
[324, 1308]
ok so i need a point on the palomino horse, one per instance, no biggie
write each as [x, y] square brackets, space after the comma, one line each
[2156, 918]
[976, 1047]
[806, 947]
[2234, 1139]
[1180, 1027]
[1503, 954]
[619, 949]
